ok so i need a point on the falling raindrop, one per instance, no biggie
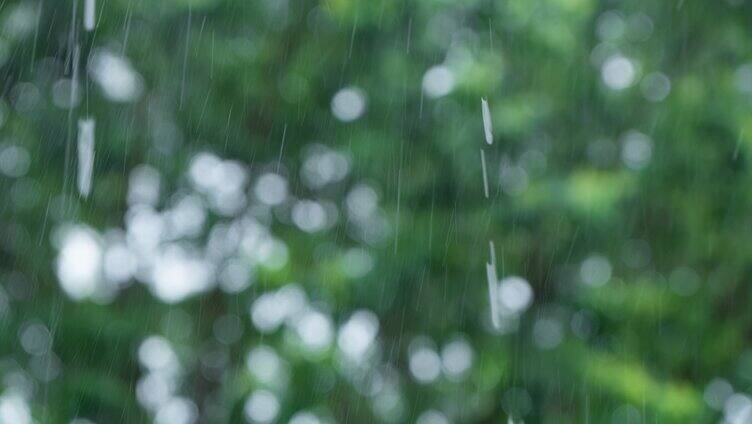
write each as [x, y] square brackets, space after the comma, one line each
[85, 155]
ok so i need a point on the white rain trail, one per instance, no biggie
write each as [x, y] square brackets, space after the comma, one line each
[89, 14]
[85, 155]
[493, 287]
[485, 173]
[74, 79]
[487, 124]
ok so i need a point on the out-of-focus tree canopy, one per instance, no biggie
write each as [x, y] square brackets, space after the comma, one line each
[287, 219]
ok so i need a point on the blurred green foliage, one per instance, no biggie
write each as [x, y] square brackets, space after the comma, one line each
[622, 133]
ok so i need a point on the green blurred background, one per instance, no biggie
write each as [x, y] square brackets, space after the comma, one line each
[287, 219]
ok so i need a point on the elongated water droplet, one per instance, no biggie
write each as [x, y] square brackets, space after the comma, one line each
[89, 14]
[493, 297]
[485, 173]
[487, 124]
[85, 155]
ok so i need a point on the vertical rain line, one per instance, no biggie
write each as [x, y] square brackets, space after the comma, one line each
[485, 173]
[36, 36]
[185, 56]
[74, 78]
[89, 14]
[492, 277]
[71, 62]
[352, 38]
[409, 34]
[127, 29]
[85, 155]
[75, 59]
[493, 294]
[487, 123]
[72, 34]
[399, 194]
[281, 148]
